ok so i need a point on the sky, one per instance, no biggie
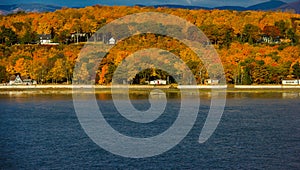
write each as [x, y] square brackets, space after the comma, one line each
[82, 3]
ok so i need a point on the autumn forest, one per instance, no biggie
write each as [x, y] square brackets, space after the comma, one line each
[255, 47]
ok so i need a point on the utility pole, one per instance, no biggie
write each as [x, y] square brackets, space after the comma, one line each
[168, 79]
[77, 36]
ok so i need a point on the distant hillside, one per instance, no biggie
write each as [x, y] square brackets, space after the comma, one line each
[175, 6]
[32, 7]
[293, 5]
[267, 5]
[236, 8]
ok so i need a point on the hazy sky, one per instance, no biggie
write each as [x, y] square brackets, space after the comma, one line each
[80, 3]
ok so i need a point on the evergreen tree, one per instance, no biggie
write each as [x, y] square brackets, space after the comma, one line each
[296, 70]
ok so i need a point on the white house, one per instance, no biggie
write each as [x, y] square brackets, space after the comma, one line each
[290, 82]
[14, 80]
[211, 81]
[45, 38]
[111, 41]
[158, 82]
[17, 80]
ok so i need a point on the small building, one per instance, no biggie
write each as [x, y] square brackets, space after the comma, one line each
[158, 82]
[211, 81]
[15, 80]
[18, 80]
[290, 82]
[27, 81]
[45, 38]
[111, 41]
[270, 40]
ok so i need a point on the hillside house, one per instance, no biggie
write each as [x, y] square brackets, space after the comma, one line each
[45, 38]
[111, 41]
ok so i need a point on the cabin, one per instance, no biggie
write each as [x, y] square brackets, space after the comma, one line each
[158, 82]
[290, 82]
[211, 81]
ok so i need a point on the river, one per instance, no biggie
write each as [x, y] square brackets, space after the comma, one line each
[258, 130]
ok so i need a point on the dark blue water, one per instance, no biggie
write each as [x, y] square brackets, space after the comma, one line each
[257, 131]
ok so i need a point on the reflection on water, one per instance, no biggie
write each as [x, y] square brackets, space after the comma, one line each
[290, 95]
[144, 94]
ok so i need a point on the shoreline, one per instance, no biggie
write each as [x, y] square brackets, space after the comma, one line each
[227, 88]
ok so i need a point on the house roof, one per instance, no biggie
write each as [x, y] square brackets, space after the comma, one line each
[13, 77]
[45, 36]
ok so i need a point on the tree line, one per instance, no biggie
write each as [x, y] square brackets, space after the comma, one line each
[255, 47]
